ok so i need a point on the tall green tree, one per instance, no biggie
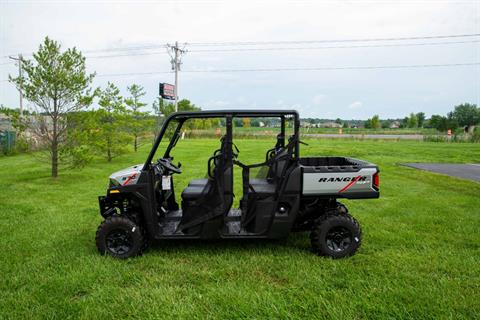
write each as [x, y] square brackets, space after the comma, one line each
[112, 136]
[373, 123]
[420, 119]
[57, 83]
[467, 115]
[134, 104]
[412, 121]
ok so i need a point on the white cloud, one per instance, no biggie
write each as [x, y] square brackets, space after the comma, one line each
[355, 105]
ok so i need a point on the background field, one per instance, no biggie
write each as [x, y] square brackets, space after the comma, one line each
[419, 259]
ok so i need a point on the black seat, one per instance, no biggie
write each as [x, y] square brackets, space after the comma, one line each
[203, 182]
[206, 201]
[195, 191]
[275, 172]
[198, 182]
[263, 187]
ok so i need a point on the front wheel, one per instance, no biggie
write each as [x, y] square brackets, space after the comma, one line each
[120, 237]
[336, 236]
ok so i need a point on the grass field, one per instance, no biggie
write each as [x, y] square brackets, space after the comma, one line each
[420, 256]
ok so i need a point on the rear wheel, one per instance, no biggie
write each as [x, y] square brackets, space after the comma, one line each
[120, 237]
[336, 236]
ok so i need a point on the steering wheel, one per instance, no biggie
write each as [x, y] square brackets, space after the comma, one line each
[167, 164]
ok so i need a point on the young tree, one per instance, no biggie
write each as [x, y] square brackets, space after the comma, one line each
[157, 107]
[112, 139]
[412, 121]
[57, 84]
[134, 103]
[373, 123]
[467, 115]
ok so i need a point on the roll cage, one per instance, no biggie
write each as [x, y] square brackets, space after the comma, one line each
[181, 117]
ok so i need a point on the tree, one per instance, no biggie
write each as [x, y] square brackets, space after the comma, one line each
[183, 105]
[157, 107]
[467, 115]
[134, 103]
[112, 139]
[373, 123]
[246, 122]
[57, 84]
[438, 122]
[420, 119]
[412, 121]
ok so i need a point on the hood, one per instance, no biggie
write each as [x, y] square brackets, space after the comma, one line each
[126, 176]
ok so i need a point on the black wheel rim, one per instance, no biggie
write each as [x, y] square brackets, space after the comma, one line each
[339, 239]
[119, 242]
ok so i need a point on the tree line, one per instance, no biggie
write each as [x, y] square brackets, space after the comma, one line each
[465, 116]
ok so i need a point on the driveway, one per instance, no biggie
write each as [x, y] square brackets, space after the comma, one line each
[465, 171]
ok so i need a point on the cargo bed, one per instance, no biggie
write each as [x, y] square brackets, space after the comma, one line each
[339, 177]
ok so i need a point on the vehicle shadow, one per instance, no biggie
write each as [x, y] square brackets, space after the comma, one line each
[297, 242]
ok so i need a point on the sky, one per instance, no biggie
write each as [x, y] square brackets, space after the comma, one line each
[99, 28]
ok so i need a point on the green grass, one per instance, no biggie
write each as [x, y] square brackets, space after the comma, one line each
[420, 256]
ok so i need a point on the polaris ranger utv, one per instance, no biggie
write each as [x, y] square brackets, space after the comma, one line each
[296, 194]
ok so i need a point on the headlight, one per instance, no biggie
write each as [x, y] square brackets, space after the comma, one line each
[114, 183]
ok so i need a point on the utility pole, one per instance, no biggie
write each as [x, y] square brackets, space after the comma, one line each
[20, 72]
[175, 55]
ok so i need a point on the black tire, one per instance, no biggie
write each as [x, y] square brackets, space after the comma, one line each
[120, 237]
[336, 236]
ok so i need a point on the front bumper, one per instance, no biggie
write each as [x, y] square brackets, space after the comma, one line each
[106, 206]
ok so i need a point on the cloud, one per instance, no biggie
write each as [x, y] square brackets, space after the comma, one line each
[355, 105]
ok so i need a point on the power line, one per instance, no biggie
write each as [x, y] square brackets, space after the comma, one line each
[289, 48]
[247, 43]
[335, 47]
[292, 69]
[252, 43]
[126, 55]
[298, 69]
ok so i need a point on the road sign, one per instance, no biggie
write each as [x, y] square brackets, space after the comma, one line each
[167, 91]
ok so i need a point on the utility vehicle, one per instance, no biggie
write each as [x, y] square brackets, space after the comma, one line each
[295, 194]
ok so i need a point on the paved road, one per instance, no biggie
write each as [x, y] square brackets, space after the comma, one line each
[466, 171]
[366, 136]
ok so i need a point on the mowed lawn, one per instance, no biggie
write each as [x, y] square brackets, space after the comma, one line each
[420, 256]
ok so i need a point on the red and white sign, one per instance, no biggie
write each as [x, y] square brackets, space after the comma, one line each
[167, 91]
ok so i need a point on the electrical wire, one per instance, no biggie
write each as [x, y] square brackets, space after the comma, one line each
[293, 69]
[297, 69]
[336, 47]
[289, 48]
[254, 43]
[248, 43]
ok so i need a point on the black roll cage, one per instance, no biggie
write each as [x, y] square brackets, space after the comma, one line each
[181, 117]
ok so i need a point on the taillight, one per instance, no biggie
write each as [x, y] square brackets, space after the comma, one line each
[376, 180]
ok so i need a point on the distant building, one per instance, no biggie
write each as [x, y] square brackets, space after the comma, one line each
[330, 125]
[394, 125]
[305, 124]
